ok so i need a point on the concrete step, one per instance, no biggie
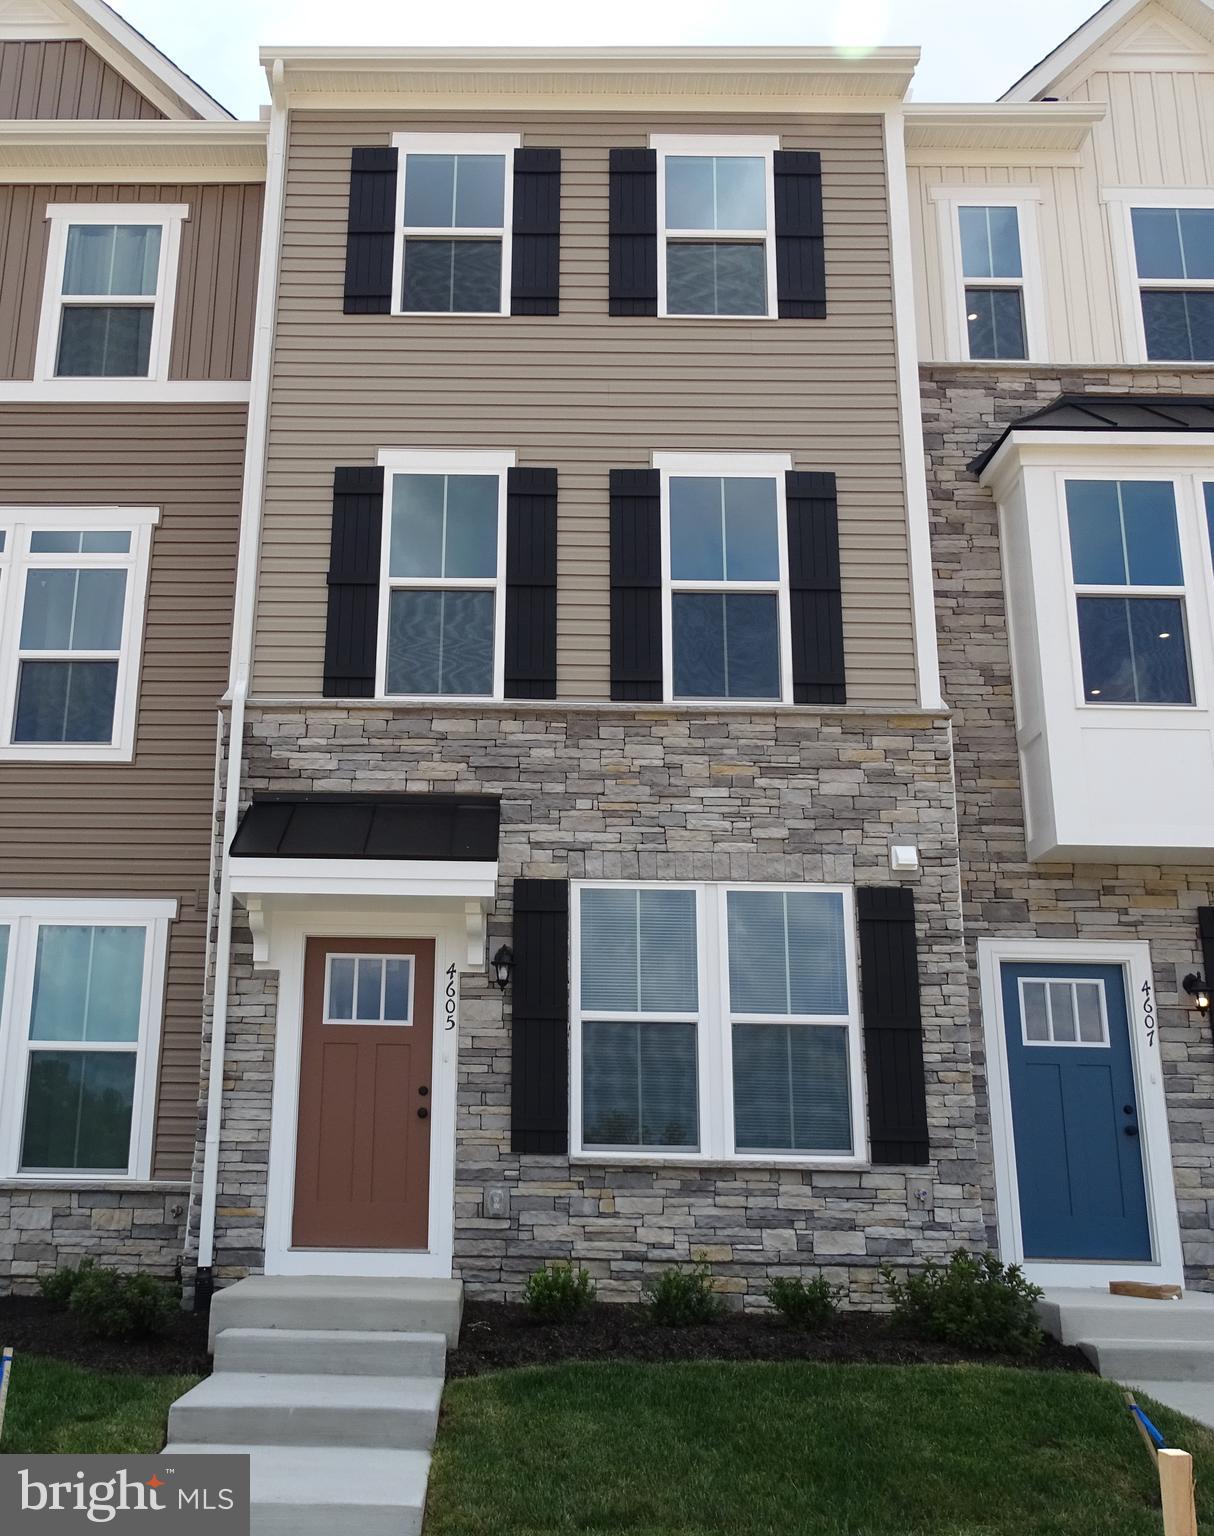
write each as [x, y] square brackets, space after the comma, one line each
[1077, 1317]
[1152, 1359]
[356, 1304]
[330, 1351]
[317, 1491]
[371, 1412]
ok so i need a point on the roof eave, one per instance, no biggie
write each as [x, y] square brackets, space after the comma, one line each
[1034, 125]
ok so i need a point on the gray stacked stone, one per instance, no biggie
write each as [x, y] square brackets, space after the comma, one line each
[131, 1227]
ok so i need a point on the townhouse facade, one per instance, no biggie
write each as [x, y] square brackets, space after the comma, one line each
[130, 214]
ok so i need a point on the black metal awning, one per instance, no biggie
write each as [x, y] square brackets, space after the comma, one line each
[337, 826]
[1110, 413]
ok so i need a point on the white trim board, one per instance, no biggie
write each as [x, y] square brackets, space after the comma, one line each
[1134, 959]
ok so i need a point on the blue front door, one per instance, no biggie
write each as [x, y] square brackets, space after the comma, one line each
[1075, 1113]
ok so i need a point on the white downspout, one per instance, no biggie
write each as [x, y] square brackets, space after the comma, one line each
[242, 650]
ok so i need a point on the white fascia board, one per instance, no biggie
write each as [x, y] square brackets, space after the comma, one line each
[1181, 449]
[1069, 52]
[464, 880]
[141, 150]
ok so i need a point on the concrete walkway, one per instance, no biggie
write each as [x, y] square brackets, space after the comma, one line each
[333, 1387]
[1163, 1349]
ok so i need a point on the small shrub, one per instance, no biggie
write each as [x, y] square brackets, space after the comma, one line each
[972, 1302]
[681, 1297]
[114, 1305]
[58, 1288]
[558, 1294]
[804, 1304]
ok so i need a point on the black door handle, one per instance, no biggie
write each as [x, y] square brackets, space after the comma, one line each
[423, 1113]
[423, 1091]
[1131, 1130]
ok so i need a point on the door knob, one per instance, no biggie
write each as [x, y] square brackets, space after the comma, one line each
[1131, 1130]
[423, 1113]
[1127, 1109]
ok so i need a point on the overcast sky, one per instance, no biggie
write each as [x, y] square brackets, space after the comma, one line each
[972, 49]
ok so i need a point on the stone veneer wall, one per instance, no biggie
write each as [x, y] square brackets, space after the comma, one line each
[964, 410]
[611, 792]
[130, 1226]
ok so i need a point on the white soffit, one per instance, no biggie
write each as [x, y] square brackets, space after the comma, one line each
[130, 151]
[1041, 126]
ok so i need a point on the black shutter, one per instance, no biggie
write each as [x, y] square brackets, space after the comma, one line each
[636, 584]
[1205, 927]
[371, 232]
[350, 632]
[633, 232]
[531, 584]
[535, 262]
[818, 675]
[893, 1024]
[539, 1043]
[800, 235]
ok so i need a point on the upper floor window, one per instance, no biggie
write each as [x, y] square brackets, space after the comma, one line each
[994, 281]
[110, 281]
[1174, 259]
[72, 585]
[725, 556]
[442, 597]
[1128, 579]
[716, 218]
[455, 196]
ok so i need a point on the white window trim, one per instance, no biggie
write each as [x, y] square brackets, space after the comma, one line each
[18, 523]
[1025, 200]
[406, 144]
[23, 919]
[61, 216]
[418, 461]
[734, 466]
[1190, 506]
[1121, 202]
[756, 146]
[714, 1035]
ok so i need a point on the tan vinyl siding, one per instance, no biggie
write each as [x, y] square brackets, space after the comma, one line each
[53, 79]
[143, 828]
[585, 392]
[216, 283]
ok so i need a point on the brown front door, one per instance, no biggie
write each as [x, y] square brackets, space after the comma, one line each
[362, 1158]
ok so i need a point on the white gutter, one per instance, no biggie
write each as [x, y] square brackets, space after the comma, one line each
[242, 648]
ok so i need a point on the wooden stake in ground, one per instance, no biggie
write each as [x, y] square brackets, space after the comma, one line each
[6, 1370]
[1176, 1492]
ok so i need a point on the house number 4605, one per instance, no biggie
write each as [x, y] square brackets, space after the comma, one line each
[1148, 1013]
[450, 999]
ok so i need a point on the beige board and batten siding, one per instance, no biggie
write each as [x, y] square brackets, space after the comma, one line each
[49, 78]
[140, 829]
[216, 283]
[584, 392]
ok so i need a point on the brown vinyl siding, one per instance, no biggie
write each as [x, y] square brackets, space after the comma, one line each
[216, 282]
[585, 392]
[48, 78]
[140, 829]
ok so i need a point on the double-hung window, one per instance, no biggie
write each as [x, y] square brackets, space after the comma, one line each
[72, 590]
[716, 216]
[454, 216]
[1127, 572]
[442, 589]
[993, 270]
[80, 1005]
[716, 1022]
[725, 559]
[1174, 261]
[110, 281]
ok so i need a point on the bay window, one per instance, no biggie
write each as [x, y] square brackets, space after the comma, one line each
[716, 1022]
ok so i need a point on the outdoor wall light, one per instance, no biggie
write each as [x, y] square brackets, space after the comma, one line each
[1198, 991]
[503, 964]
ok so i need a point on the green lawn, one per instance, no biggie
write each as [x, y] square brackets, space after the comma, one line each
[58, 1407]
[798, 1450]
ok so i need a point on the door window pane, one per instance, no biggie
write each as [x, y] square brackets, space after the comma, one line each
[440, 642]
[454, 191]
[716, 192]
[341, 987]
[453, 277]
[112, 259]
[78, 1111]
[995, 317]
[711, 277]
[73, 610]
[791, 1088]
[1134, 650]
[726, 645]
[369, 996]
[65, 701]
[639, 1085]
[990, 242]
[723, 529]
[88, 984]
[444, 525]
[639, 951]
[786, 952]
[1035, 1011]
[1124, 533]
[1179, 324]
[98, 341]
[396, 990]
[1174, 242]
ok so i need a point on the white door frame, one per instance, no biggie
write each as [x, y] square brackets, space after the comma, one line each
[1134, 959]
[289, 930]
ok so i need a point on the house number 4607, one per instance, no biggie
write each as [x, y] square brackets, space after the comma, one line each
[449, 1004]
[1148, 1013]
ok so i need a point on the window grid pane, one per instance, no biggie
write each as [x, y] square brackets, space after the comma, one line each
[639, 1085]
[1134, 650]
[440, 642]
[112, 259]
[78, 1111]
[452, 276]
[99, 341]
[1124, 533]
[1179, 324]
[711, 277]
[639, 951]
[995, 317]
[88, 984]
[716, 192]
[990, 242]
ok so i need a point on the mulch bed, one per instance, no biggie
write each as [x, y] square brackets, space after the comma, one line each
[496, 1335]
[34, 1327]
